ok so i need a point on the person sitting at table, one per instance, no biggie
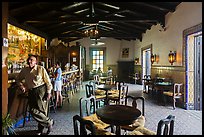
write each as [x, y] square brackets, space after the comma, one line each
[99, 71]
[109, 71]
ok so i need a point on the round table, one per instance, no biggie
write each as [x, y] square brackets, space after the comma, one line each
[118, 115]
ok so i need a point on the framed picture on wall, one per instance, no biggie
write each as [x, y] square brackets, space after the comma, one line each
[125, 52]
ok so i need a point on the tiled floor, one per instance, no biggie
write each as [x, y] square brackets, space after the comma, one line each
[187, 122]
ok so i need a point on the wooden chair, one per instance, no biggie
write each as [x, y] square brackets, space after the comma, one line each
[81, 124]
[136, 77]
[175, 94]
[98, 80]
[119, 96]
[165, 127]
[117, 93]
[146, 83]
[87, 127]
[88, 112]
[134, 101]
[91, 90]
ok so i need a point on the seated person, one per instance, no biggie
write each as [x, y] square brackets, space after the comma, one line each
[109, 71]
[99, 71]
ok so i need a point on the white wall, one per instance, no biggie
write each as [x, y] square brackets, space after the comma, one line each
[186, 15]
[113, 49]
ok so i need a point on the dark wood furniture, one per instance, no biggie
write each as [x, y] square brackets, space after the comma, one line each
[119, 94]
[83, 125]
[118, 115]
[125, 69]
[165, 127]
[138, 103]
[106, 88]
[87, 111]
[146, 81]
[175, 94]
[90, 90]
[160, 87]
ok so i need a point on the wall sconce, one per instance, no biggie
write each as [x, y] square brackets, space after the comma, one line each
[157, 58]
[172, 57]
[73, 53]
[136, 60]
[153, 58]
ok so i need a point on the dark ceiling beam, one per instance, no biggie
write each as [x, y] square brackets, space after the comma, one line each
[74, 6]
[69, 39]
[116, 12]
[102, 34]
[97, 19]
[58, 31]
[112, 6]
[55, 26]
[44, 10]
[153, 6]
[135, 26]
[125, 29]
[102, 11]
[106, 27]
[22, 7]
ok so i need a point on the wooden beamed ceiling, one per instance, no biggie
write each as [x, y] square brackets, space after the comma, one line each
[68, 20]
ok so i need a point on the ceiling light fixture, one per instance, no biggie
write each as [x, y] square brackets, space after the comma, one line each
[92, 33]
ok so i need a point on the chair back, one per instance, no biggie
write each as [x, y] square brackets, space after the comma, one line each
[82, 126]
[134, 102]
[96, 79]
[93, 84]
[177, 90]
[123, 93]
[147, 76]
[166, 126]
[89, 90]
[87, 105]
[136, 76]
[119, 84]
[114, 78]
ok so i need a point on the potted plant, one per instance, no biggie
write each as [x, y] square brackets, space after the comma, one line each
[7, 125]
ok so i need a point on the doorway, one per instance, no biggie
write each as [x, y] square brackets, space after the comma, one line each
[198, 71]
[146, 61]
[193, 63]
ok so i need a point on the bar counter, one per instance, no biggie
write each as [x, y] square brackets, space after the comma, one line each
[69, 72]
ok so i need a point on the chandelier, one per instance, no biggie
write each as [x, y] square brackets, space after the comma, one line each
[92, 33]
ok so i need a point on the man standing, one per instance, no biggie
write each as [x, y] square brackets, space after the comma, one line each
[38, 84]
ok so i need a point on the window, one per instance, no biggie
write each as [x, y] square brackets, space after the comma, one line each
[97, 58]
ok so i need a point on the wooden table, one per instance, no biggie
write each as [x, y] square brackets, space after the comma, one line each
[162, 86]
[118, 115]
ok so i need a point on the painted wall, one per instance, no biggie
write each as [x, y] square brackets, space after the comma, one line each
[113, 49]
[187, 14]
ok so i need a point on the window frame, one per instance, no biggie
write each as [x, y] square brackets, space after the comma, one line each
[91, 49]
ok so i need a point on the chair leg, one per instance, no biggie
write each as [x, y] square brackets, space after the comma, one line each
[174, 103]
[164, 99]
